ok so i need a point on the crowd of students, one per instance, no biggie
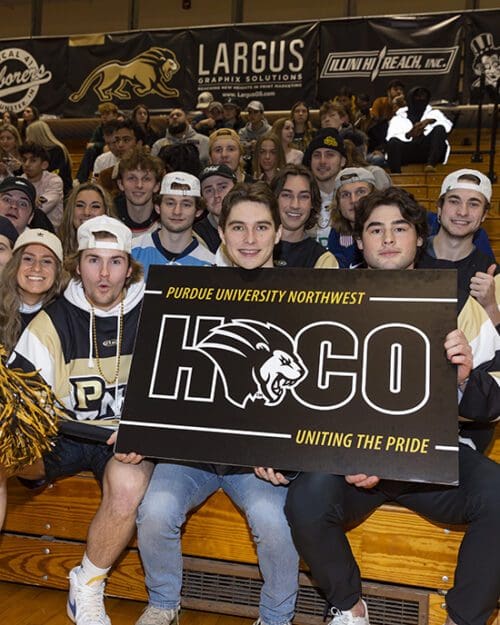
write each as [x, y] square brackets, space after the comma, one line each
[217, 191]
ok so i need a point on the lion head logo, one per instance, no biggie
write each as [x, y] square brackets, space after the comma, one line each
[255, 360]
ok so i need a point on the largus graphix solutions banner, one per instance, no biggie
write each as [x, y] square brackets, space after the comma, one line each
[366, 54]
[273, 63]
[337, 371]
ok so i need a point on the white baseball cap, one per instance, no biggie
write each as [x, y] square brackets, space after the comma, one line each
[40, 237]
[452, 181]
[87, 231]
[204, 100]
[180, 178]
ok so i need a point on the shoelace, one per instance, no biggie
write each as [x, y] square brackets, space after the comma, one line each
[90, 602]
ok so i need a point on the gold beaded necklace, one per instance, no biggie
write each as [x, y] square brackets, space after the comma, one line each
[118, 347]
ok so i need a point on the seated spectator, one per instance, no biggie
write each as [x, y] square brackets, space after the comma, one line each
[29, 115]
[109, 157]
[351, 184]
[10, 159]
[232, 114]
[17, 201]
[181, 157]
[347, 99]
[268, 157]
[8, 236]
[363, 120]
[205, 98]
[31, 279]
[126, 138]
[417, 133]
[59, 159]
[140, 115]
[356, 156]
[213, 121]
[139, 178]
[173, 243]
[107, 112]
[9, 117]
[175, 489]
[256, 126]
[216, 182]
[299, 203]
[382, 110]
[304, 130]
[180, 131]
[84, 202]
[284, 129]
[49, 186]
[225, 149]
[332, 115]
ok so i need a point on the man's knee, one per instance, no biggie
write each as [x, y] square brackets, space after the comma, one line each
[124, 486]
[311, 496]
[161, 512]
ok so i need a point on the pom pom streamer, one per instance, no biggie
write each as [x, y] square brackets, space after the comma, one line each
[29, 416]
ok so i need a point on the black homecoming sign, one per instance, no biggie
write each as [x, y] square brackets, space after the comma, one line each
[338, 371]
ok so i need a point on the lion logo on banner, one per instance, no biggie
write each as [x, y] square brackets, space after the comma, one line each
[148, 73]
[255, 360]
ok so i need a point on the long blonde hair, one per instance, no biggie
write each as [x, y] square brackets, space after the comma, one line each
[67, 231]
[39, 132]
[10, 298]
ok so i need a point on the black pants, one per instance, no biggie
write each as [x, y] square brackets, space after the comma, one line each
[319, 506]
[429, 149]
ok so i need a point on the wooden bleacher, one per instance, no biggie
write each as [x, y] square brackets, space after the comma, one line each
[404, 559]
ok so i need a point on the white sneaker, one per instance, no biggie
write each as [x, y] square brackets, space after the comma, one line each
[85, 604]
[157, 616]
[347, 617]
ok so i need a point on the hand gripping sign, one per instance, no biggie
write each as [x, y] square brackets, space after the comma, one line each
[337, 371]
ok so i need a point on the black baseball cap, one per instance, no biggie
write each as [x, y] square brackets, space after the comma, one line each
[16, 183]
[325, 138]
[8, 230]
[218, 170]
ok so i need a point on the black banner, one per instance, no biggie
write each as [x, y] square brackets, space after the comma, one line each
[366, 54]
[147, 68]
[272, 63]
[33, 71]
[339, 371]
[482, 54]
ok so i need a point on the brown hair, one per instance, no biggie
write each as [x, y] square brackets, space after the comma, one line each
[281, 160]
[466, 178]
[279, 181]
[258, 192]
[11, 301]
[139, 158]
[411, 210]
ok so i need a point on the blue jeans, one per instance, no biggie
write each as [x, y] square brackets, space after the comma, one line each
[173, 491]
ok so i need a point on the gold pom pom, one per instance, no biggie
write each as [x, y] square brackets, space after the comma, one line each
[29, 416]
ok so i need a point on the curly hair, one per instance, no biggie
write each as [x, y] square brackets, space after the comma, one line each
[11, 300]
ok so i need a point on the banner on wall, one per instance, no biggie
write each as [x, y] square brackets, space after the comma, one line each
[33, 71]
[272, 63]
[366, 54]
[482, 53]
[340, 371]
[141, 68]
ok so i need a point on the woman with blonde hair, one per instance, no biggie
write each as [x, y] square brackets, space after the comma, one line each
[268, 157]
[59, 159]
[284, 129]
[10, 159]
[33, 277]
[224, 148]
[84, 202]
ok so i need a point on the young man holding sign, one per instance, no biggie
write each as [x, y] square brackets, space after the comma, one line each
[390, 228]
[249, 226]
